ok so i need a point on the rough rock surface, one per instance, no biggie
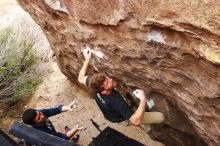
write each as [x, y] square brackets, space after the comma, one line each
[169, 48]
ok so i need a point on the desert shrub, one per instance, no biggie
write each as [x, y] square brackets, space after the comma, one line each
[18, 59]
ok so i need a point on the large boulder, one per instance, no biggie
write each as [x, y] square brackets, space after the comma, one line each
[169, 48]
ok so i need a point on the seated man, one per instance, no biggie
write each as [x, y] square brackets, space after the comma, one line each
[38, 119]
[111, 103]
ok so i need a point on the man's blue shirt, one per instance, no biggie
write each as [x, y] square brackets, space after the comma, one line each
[48, 126]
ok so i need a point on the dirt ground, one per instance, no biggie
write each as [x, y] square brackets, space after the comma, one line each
[57, 89]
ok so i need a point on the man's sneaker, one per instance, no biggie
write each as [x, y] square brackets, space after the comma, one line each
[75, 138]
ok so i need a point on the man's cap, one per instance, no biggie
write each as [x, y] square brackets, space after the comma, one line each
[28, 116]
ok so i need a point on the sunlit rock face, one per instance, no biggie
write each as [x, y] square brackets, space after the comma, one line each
[170, 49]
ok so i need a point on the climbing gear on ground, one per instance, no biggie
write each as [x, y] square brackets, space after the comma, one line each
[96, 125]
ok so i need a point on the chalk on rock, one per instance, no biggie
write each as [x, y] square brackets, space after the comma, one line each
[150, 103]
[98, 54]
[155, 36]
[56, 5]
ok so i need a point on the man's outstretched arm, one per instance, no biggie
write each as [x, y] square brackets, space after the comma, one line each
[73, 131]
[69, 134]
[82, 74]
[138, 116]
[57, 110]
[68, 108]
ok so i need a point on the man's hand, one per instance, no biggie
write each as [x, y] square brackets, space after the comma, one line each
[71, 132]
[87, 53]
[140, 95]
[138, 116]
[69, 107]
[80, 128]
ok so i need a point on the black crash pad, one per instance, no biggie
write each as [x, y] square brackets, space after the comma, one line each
[111, 137]
[5, 140]
[37, 137]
